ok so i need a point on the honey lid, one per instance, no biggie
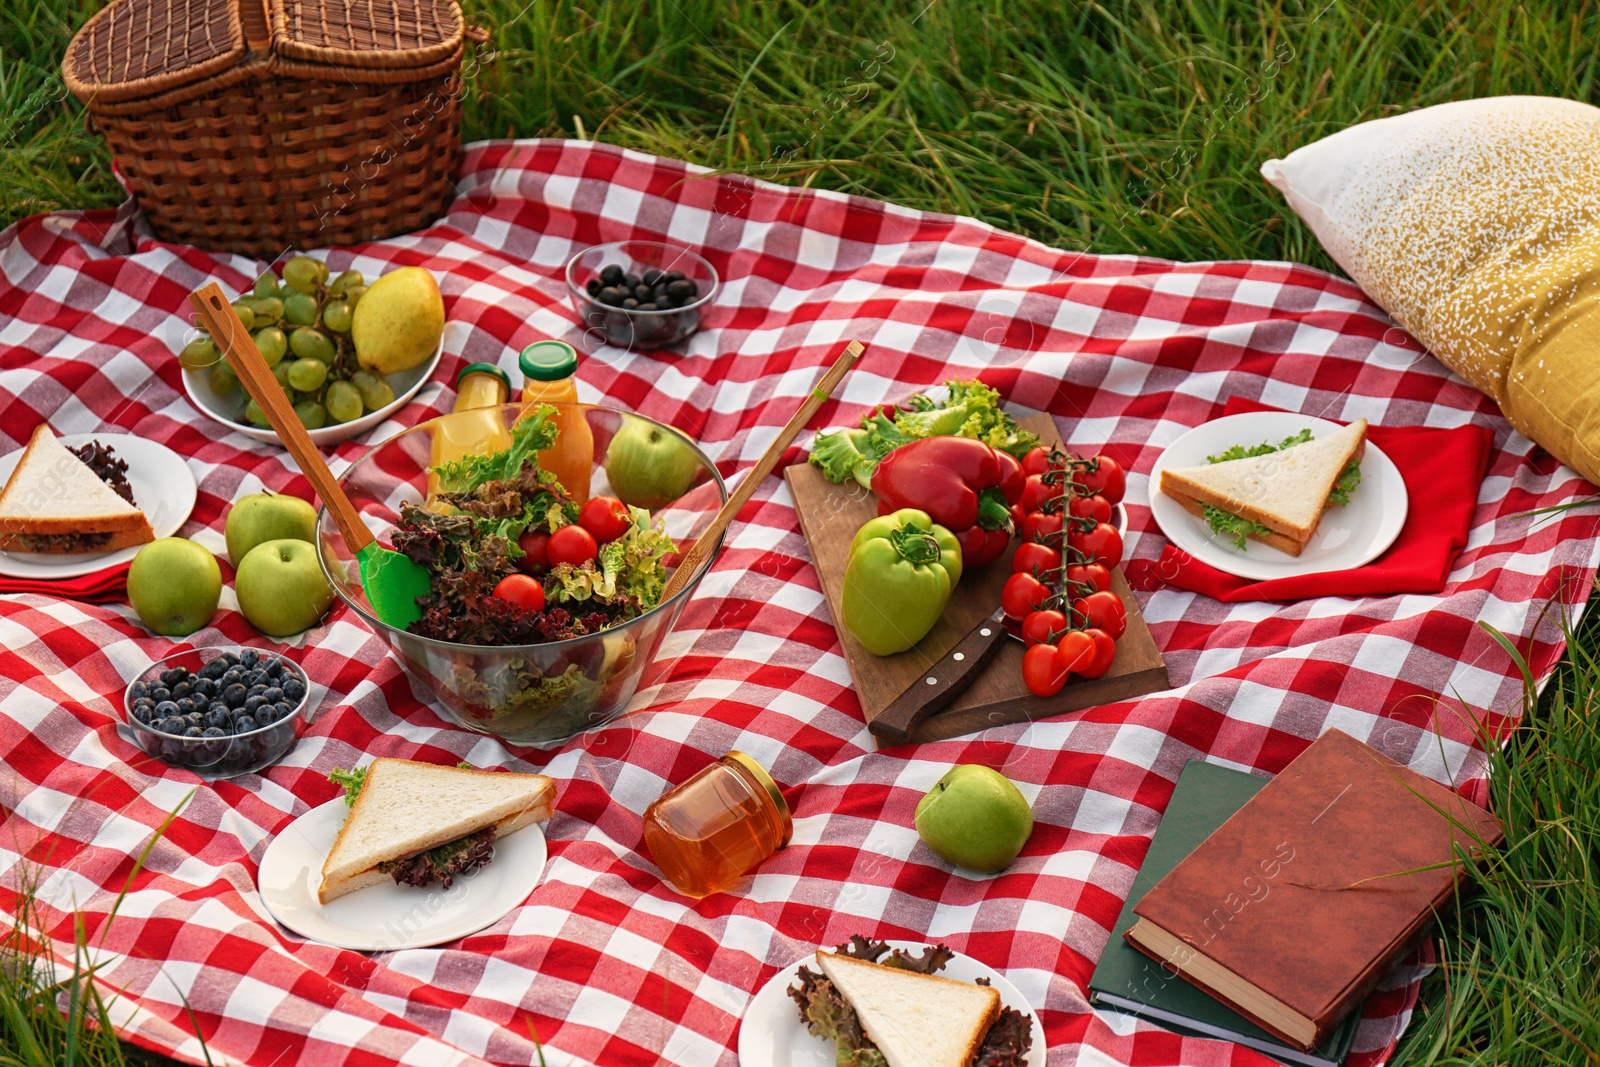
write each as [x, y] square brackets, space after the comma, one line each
[548, 361]
[483, 368]
[759, 773]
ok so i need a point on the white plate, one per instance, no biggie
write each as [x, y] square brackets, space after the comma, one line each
[404, 383]
[386, 917]
[772, 1034]
[1348, 536]
[163, 488]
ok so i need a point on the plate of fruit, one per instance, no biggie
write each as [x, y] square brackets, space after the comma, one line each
[348, 353]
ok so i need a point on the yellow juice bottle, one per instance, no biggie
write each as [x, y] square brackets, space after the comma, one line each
[548, 369]
[475, 425]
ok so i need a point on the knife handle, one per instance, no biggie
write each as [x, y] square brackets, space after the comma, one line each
[941, 683]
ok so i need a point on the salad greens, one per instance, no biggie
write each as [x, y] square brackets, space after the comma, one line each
[353, 779]
[1237, 529]
[972, 410]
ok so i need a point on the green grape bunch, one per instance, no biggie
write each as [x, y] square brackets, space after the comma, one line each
[301, 327]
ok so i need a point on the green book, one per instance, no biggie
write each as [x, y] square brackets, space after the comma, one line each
[1127, 980]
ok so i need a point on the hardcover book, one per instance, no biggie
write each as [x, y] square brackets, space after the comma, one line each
[1294, 908]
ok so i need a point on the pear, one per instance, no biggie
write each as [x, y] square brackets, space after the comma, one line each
[398, 321]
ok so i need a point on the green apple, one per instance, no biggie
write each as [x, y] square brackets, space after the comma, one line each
[975, 818]
[174, 585]
[263, 517]
[650, 466]
[281, 588]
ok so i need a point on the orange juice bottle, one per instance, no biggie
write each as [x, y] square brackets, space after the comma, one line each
[706, 833]
[548, 368]
[466, 432]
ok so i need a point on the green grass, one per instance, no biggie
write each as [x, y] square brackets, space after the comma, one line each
[1110, 127]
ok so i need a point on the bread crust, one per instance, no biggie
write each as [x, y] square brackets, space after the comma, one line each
[130, 528]
[1274, 539]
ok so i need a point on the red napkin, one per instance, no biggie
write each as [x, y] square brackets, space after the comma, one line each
[1443, 470]
[101, 587]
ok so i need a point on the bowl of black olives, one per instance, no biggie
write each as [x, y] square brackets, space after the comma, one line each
[640, 294]
[219, 712]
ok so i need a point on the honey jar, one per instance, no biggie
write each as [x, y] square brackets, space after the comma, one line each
[706, 833]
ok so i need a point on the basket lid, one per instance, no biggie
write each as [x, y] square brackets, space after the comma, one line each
[132, 49]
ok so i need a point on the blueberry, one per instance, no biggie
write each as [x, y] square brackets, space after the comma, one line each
[267, 714]
[647, 307]
[256, 677]
[272, 695]
[139, 691]
[641, 293]
[159, 693]
[253, 704]
[256, 690]
[186, 705]
[243, 724]
[285, 709]
[195, 718]
[194, 731]
[294, 689]
[611, 274]
[249, 657]
[205, 688]
[613, 295]
[141, 713]
[234, 695]
[593, 286]
[681, 289]
[171, 676]
[276, 668]
[630, 304]
[167, 708]
[182, 689]
[229, 658]
[219, 717]
[213, 731]
[213, 670]
[630, 281]
[651, 276]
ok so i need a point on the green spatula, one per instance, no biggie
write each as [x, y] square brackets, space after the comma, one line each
[392, 582]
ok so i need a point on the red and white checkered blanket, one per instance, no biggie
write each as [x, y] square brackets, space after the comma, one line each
[603, 963]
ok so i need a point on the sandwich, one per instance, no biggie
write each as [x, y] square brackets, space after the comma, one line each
[896, 1012]
[61, 500]
[419, 823]
[1274, 494]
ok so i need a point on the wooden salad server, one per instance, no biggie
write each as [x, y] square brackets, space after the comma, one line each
[741, 496]
[391, 580]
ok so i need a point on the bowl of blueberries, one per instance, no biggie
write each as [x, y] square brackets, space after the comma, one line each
[219, 712]
[640, 294]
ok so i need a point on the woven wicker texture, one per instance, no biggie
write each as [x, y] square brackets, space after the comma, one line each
[287, 145]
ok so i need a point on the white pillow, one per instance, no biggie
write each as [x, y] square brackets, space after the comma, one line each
[1477, 226]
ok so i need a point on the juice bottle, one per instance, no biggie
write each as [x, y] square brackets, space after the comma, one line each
[706, 833]
[547, 378]
[466, 432]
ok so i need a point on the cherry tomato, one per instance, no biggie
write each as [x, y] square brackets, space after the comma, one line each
[1034, 558]
[1107, 479]
[1105, 650]
[1039, 526]
[1043, 627]
[1036, 461]
[1035, 494]
[1094, 507]
[606, 517]
[521, 590]
[535, 545]
[1022, 594]
[1103, 544]
[1104, 611]
[1074, 652]
[1041, 671]
[1094, 575]
[572, 544]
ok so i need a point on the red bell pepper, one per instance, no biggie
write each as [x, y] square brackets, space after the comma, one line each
[964, 485]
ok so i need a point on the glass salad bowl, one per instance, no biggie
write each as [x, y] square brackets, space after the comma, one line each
[539, 695]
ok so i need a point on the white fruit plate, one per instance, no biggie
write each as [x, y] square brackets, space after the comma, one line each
[404, 383]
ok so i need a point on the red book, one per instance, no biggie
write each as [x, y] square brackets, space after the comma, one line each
[1297, 905]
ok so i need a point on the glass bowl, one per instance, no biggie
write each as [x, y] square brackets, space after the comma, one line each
[224, 756]
[634, 329]
[538, 695]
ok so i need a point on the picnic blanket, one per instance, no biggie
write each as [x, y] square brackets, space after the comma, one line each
[603, 964]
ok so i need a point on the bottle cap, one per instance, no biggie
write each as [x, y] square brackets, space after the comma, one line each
[548, 361]
[759, 773]
[484, 368]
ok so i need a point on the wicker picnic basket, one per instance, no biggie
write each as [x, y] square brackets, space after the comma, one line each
[254, 126]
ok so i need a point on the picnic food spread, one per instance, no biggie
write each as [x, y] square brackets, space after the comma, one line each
[872, 830]
[69, 500]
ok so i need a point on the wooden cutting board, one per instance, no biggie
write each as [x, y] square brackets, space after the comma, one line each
[831, 514]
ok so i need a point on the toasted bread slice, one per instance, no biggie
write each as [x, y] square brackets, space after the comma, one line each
[405, 808]
[1275, 540]
[916, 1020]
[53, 493]
[1285, 491]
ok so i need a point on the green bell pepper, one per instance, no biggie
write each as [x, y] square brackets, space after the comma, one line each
[901, 570]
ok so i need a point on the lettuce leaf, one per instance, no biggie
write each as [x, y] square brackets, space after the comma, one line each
[1348, 480]
[1264, 448]
[532, 434]
[1231, 526]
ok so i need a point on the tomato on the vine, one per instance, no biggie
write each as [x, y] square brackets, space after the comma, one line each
[1043, 627]
[1022, 594]
[606, 517]
[1075, 651]
[1033, 558]
[1037, 461]
[521, 590]
[1105, 611]
[1036, 494]
[1094, 507]
[1105, 650]
[572, 544]
[1106, 478]
[1040, 526]
[1094, 575]
[1041, 671]
[535, 545]
[1103, 544]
